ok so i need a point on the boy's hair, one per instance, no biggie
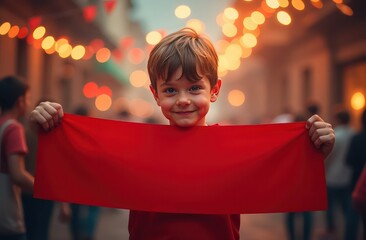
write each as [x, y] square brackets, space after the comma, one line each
[187, 49]
[11, 88]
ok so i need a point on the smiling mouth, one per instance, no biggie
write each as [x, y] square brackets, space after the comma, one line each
[184, 112]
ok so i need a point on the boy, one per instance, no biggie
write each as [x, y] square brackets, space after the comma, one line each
[184, 82]
[14, 100]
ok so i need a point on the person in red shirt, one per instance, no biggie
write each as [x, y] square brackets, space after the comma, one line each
[184, 83]
[14, 100]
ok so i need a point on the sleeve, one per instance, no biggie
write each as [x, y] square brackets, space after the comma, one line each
[14, 140]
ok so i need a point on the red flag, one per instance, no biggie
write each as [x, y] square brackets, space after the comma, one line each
[109, 5]
[157, 168]
[90, 13]
[34, 22]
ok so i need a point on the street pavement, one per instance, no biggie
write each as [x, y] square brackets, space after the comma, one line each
[113, 224]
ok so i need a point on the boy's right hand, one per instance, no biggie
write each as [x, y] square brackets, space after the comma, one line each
[47, 114]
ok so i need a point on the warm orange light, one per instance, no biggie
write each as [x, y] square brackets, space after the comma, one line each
[272, 4]
[64, 51]
[229, 30]
[4, 28]
[338, 1]
[248, 40]
[50, 50]
[39, 32]
[78, 52]
[197, 25]
[222, 45]
[23, 32]
[317, 3]
[60, 42]
[283, 17]
[298, 4]
[258, 17]
[48, 42]
[246, 52]
[103, 55]
[90, 89]
[13, 32]
[346, 10]
[97, 44]
[105, 90]
[249, 23]
[231, 13]
[89, 51]
[358, 101]
[283, 3]
[139, 78]
[103, 102]
[153, 37]
[236, 98]
[233, 51]
[182, 11]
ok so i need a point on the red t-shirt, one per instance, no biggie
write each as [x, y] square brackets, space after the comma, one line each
[13, 141]
[172, 226]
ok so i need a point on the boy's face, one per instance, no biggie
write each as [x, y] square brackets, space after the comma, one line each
[185, 103]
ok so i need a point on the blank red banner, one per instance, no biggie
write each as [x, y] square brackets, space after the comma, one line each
[157, 168]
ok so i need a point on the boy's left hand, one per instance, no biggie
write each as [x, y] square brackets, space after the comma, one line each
[321, 134]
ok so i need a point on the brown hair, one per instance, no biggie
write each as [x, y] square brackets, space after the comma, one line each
[186, 49]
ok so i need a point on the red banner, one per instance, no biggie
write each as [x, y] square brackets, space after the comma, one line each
[215, 170]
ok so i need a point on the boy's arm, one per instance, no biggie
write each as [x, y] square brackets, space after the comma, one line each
[47, 114]
[18, 174]
[321, 134]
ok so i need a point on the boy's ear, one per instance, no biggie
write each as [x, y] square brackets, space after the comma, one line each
[155, 94]
[215, 91]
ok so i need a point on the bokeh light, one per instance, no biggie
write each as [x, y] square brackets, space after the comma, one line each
[197, 25]
[23, 32]
[229, 30]
[283, 18]
[139, 78]
[48, 42]
[103, 102]
[274, 4]
[105, 90]
[103, 55]
[357, 101]
[13, 32]
[39, 32]
[236, 98]
[78, 52]
[182, 11]
[231, 13]
[90, 89]
[4, 28]
[153, 37]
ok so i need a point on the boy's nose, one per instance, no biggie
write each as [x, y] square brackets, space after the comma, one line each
[183, 99]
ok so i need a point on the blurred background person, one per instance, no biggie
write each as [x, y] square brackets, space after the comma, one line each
[14, 100]
[38, 212]
[338, 177]
[356, 159]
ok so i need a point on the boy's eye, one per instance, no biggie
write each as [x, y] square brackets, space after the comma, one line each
[169, 90]
[195, 88]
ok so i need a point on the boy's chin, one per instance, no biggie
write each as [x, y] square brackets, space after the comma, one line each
[184, 124]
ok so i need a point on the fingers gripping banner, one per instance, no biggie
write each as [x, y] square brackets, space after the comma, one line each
[213, 170]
